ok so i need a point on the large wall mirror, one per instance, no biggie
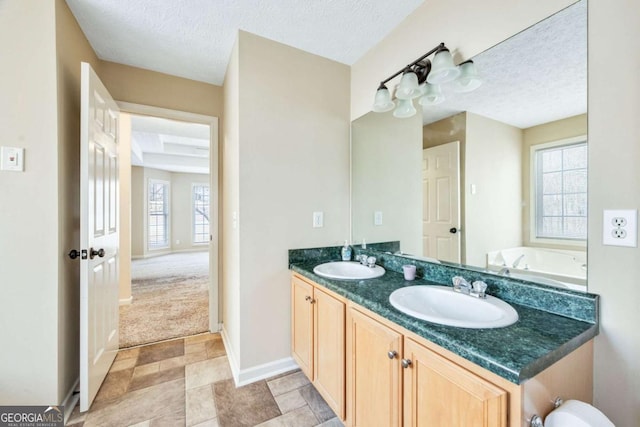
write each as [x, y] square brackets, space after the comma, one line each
[496, 178]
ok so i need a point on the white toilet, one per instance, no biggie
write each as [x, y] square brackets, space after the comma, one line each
[574, 413]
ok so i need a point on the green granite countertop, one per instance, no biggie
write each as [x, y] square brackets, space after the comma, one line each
[517, 352]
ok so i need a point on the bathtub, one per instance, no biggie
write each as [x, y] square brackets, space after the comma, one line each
[549, 266]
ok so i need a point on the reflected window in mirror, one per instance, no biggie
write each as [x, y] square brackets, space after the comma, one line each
[560, 182]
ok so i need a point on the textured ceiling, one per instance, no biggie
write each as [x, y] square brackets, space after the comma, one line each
[534, 77]
[194, 38]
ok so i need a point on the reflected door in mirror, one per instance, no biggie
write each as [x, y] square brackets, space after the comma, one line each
[441, 202]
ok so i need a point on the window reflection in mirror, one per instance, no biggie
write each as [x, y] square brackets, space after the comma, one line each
[473, 180]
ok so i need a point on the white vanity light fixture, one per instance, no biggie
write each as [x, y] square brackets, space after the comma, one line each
[469, 78]
[404, 109]
[442, 69]
[422, 78]
[408, 87]
[383, 102]
[432, 94]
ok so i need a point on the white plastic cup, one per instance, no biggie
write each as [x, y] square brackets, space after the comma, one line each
[409, 272]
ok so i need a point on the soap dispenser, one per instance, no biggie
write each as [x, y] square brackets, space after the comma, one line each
[345, 252]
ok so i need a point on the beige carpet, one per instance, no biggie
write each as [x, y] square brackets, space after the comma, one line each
[170, 299]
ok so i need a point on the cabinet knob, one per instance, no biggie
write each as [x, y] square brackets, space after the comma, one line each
[406, 363]
[307, 298]
[392, 354]
[312, 301]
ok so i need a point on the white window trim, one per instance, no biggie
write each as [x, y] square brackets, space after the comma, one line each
[193, 223]
[580, 243]
[168, 184]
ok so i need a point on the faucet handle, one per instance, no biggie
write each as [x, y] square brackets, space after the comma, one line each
[461, 285]
[371, 261]
[460, 282]
[479, 287]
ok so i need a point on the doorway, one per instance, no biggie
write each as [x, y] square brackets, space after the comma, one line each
[169, 196]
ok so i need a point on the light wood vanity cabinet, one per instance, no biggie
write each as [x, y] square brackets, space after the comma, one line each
[438, 392]
[373, 372]
[393, 381]
[317, 340]
[356, 359]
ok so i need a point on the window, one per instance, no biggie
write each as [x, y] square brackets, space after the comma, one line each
[158, 210]
[561, 190]
[200, 213]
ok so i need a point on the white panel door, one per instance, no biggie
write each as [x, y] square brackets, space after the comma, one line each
[98, 233]
[441, 202]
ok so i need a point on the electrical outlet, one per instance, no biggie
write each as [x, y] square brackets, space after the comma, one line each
[620, 228]
[619, 221]
[619, 233]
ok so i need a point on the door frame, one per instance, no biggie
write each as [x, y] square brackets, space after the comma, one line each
[214, 260]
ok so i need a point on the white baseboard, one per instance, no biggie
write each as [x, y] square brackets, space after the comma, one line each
[175, 251]
[126, 301]
[70, 401]
[256, 373]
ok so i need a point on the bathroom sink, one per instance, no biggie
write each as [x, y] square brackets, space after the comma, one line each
[441, 304]
[348, 270]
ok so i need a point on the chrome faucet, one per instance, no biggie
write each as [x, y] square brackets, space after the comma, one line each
[517, 261]
[477, 289]
[369, 261]
[504, 271]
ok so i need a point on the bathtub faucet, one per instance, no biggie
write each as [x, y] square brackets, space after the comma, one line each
[516, 263]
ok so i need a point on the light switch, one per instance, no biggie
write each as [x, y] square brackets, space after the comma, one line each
[12, 159]
[318, 220]
[377, 218]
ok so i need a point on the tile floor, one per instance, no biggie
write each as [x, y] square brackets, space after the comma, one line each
[187, 382]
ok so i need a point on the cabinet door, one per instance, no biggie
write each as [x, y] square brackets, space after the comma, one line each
[373, 378]
[328, 366]
[438, 392]
[302, 325]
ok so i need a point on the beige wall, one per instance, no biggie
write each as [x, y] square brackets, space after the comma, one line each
[40, 111]
[293, 142]
[547, 132]
[614, 179]
[125, 187]
[29, 309]
[230, 196]
[386, 171]
[139, 86]
[493, 215]
[138, 220]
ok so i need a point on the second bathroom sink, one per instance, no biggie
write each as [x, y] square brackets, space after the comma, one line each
[441, 304]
